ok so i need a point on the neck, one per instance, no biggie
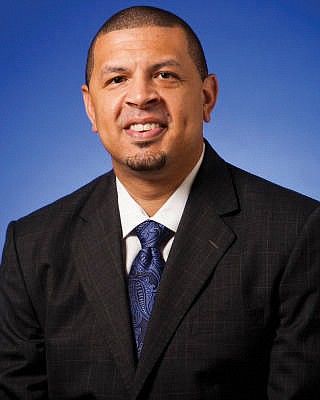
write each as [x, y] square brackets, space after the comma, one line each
[151, 189]
[149, 192]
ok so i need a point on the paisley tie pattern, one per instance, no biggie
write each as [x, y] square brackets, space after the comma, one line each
[144, 276]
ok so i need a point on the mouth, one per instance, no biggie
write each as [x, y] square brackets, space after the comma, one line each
[148, 130]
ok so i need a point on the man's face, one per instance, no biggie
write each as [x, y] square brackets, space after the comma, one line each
[147, 101]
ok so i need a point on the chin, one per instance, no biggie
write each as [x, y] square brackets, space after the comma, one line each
[147, 161]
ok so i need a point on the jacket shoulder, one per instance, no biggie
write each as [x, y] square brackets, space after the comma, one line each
[257, 193]
[63, 209]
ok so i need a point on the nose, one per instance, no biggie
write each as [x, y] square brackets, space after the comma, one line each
[142, 93]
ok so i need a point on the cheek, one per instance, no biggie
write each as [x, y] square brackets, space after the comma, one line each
[178, 111]
[189, 115]
[107, 112]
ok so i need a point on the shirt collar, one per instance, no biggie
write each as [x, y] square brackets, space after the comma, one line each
[132, 214]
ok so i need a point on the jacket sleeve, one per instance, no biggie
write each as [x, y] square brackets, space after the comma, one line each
[22, 350]
[295, 356]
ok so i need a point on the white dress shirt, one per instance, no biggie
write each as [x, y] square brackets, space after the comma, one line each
[169, 215]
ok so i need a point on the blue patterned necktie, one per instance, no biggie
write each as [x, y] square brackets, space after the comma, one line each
[144, 276]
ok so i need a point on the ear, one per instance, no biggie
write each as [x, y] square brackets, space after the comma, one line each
[89, 106]
[210, 94]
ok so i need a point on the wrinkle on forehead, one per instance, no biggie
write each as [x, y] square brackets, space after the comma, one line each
[110, 68]
[145, 38]
[147, 47]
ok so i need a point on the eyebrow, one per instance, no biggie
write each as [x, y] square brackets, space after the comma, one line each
[166, 63]
[109, 69]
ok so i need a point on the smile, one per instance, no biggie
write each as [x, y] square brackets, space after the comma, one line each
[145, 131]
[144, 127]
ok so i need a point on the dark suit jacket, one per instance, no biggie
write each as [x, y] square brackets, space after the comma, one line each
[237, 315]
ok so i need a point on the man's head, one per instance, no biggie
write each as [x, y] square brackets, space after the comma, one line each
[140, 16]
[146, 96]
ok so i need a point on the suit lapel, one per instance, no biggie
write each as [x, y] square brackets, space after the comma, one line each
[98, 255]
[200, 242]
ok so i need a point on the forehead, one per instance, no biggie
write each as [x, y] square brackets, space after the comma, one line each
[143, 42]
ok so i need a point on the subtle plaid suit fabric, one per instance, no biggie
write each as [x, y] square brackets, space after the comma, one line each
[236, 315]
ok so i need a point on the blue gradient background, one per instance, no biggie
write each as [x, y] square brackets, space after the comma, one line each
[265, 53]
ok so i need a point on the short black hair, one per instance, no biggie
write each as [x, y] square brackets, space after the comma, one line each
[139, 16]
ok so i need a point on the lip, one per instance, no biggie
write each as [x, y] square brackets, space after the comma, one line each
[149, 134]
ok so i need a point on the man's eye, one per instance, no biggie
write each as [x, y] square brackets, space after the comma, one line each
[165, 75]
[117, 79]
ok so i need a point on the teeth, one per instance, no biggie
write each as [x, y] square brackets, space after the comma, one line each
[144, 127]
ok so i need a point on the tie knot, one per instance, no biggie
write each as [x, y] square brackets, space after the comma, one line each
[151, 233]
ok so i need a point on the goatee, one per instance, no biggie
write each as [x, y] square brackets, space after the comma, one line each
[147, 161]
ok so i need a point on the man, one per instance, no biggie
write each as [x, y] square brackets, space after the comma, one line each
[234, 313]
